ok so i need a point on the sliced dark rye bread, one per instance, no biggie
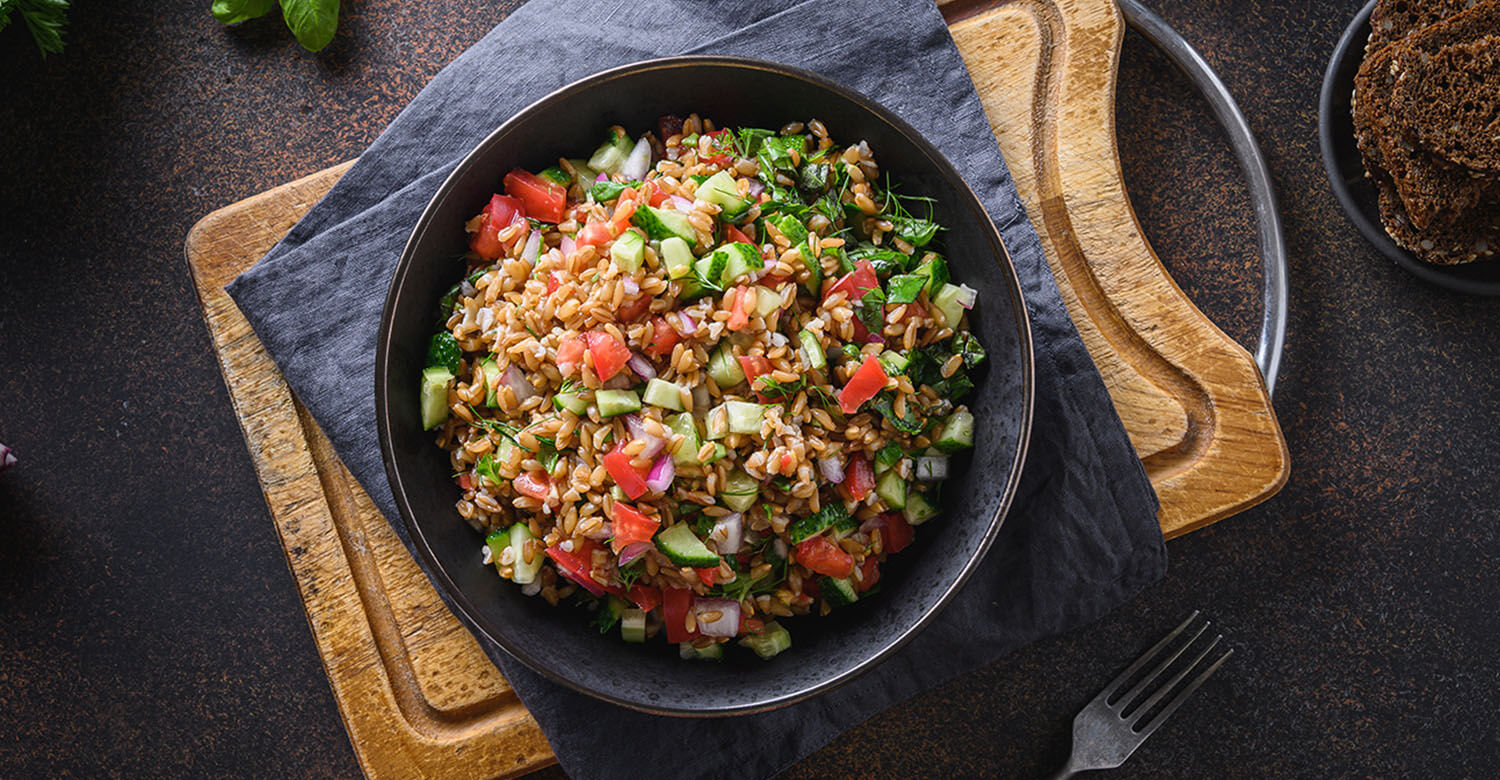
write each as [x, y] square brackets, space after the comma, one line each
[1433, 191]
[1449, 103]
[1392, 20]
[1475, 237]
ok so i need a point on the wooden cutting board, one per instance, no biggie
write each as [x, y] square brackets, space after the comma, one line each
[418, 696]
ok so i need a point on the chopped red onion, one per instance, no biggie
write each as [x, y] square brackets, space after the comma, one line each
[633, 552]
[602, 532]
[7, 458]
[631, 285]
[654, 444]
[568, 246]
[662, 474]
[728, 532]
[728, 622]
[684, 324]
[602, 177]
[639, 161]
[620, 381]
[832, 468]
[518, 383]
[681, 204]
[966, 296]
[533, 248]
[756, 188]
[641, 366]
[874, 338]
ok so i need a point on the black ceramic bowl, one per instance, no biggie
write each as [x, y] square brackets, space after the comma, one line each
[828, 651]
[1346, 170]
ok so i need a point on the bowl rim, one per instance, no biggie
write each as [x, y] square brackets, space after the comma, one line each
[1351, 45]
[450, 592]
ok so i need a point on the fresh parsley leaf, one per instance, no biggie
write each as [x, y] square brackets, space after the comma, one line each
[443, 351]
[236, 11]
[312, 21]
[904, 288]
[485, 467]
[45, 19]
[605, 191]
[749, 139]
[629, 574]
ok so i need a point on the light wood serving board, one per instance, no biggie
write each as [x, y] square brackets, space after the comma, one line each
[418, 696]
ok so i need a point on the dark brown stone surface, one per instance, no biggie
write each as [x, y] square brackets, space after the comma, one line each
[148, 625]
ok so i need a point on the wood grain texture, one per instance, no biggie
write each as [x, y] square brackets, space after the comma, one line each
[418, 696]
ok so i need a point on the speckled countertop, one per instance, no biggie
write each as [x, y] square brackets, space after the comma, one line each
[149, 626]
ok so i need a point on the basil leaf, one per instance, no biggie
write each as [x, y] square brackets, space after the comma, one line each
[604, 191]
[312, 21]
[871, 310]
[912, 423]
[443, 351]
[917, 232]
[905, 288]
[236, 11]
[813, 177]
[965, 344]
[888, 456]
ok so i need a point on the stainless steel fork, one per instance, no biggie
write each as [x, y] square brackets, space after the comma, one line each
[1113, 725]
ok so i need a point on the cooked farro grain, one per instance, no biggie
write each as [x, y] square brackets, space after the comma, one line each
[716, 340]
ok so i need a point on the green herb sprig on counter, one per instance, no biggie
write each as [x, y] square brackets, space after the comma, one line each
[312, 21]
[45, 19]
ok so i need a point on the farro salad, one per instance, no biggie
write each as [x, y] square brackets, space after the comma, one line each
[702, 380]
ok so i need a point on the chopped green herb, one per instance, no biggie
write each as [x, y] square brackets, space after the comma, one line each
[443, 351]
[911, 423]
[605, 191]
[904, 288]
[888, 456]
[485, 467]
[965, 344]
[629, 574]
[871, 310]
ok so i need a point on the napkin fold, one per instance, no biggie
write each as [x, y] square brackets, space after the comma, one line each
[1081, 537]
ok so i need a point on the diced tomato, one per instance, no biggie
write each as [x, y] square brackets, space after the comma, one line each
[869, 574]
[554, 281]
[750, 625]
[498, 215]
[718, 144]
[596, 234]
[859, 478]
[645, 597]
[570, 354]
[576, 564]
[706, 576]
[739, 314]
[617, 463]
[624, 210]
[857, 282]
[610, 355]
[652, 195]
[754, 366]
[664, 337]
[634, 308]
[821, 555]
[675, 605]
[733, 235]
[466, 481]
[868, 380]
[630, 526]
[895, 533]
[544, 199]
[534, 484]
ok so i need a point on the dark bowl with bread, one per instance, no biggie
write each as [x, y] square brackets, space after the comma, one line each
[1408, 123]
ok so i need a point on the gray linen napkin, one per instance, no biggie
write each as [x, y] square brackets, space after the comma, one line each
[1082, 535]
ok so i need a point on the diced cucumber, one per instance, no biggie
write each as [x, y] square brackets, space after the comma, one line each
[525, 573]
[491, 371]
[571, 401]
[838, 593]
[685, 426]
[948, 306]
[744, 417]
[720, 189]
[687, 652]
[683, 548]
[739, 260]
[892, 489]
[887, 458]
[716, 423]
[830, 515]
[662, 224]
[586, 173]
[633, 625]
[811, 351]
[918, 509]
[660, 392]
[935, 269]
[434, 396]
[704, 278]
[611, 155]
[958, 432]
[556, 175]
[498, 540]
[768, 643]
[613, 403]
[724, 369]
[677, 257]
[740, 490]
[767, 300]
[893, 362]
[504, 451]
[610, 611]
[628, 251]
[720, 452]
[791, 227]
[814, 283]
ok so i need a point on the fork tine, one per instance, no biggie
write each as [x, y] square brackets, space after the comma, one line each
[1160, 669]
[1182, 697]
[1119, 682]
[1140, 712]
